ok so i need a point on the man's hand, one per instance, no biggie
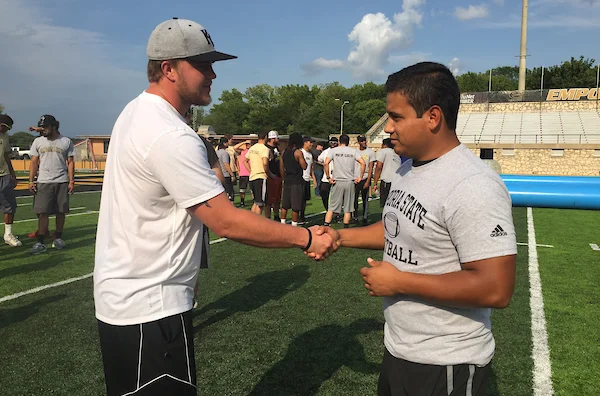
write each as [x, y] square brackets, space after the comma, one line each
[331, 180]
[357, 180]
[32, 187]
[71, 187]
[322, 230]
[233, 179]
[321, 245]
[381, 278]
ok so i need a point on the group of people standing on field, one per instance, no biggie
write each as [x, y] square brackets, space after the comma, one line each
[51, 181]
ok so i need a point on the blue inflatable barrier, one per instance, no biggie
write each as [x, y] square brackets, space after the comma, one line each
[552, 179]
[561, 192]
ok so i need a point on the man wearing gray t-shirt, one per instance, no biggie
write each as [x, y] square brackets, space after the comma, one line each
[51, 155]
[343, 179]
[448, 241]
[225, 163]
[388, 163]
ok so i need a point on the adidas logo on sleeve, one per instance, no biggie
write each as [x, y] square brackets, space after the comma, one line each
[498, 231]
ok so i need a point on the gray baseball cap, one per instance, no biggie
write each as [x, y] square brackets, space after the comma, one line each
[181, 38]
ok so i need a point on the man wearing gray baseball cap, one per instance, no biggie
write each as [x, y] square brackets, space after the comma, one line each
[159, 191]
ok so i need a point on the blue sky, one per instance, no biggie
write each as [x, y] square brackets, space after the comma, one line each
[82, 61]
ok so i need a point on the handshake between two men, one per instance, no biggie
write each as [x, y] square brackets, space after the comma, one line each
[381, 278]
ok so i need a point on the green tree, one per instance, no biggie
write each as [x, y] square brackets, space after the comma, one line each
[21, 139]
[576, 73]
[228, 116]
[473, 82]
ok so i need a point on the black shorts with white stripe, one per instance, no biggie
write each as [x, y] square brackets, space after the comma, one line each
[400, 377]
[154, 358]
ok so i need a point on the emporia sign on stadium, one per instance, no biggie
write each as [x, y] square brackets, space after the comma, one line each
[572, 94]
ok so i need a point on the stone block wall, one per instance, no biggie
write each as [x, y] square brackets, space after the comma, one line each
[545, 161]
[530, 107]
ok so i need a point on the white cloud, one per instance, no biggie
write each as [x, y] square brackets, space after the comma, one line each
[472, 12]
[455, 66]
[70, 73]
[374, 38]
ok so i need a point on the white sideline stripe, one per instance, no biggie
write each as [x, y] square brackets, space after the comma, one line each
[39, 289]
[75, 193]
[64, 282]
[52, 217]
[542, 370]
[538, 245]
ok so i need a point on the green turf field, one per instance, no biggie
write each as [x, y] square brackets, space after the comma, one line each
[272, 322]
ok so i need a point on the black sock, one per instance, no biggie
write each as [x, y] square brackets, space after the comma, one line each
[346, 225]
[41, 239]
[58, 234]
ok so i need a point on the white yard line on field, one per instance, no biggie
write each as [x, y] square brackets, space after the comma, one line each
[542, 369]
[75, 193]
[69, 215]
[538, 245]
[65, 282]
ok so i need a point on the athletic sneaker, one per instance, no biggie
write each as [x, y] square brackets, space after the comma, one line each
[365, 222]
[58, 243]
[12, 240]
[38, 248]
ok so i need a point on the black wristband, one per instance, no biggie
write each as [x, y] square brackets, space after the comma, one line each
[309, 240]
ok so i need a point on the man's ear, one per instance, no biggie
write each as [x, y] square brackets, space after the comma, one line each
[435, 117]
[169, 70]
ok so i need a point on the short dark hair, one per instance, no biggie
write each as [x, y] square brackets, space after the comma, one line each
[295, 141]
[262, 135]
[387, 142]
[228, 136]
[154, 69]
[427, 84]
[344, 139]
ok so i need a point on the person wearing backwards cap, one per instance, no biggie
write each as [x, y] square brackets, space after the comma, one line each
[159, 191]
[8, 182]
[51, 156]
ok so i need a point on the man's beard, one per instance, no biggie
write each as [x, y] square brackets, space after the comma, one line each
[192, 97]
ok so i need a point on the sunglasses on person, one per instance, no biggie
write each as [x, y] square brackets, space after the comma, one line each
[8, 127]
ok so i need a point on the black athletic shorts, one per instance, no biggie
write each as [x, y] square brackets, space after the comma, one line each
[399, 377]
[244, 180]
[149, 359]
[259, 190]
[293, 196]
[306, 190]
[384, 191]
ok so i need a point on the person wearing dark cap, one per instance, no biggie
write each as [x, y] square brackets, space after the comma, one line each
[362, 188]
[8, 182]
[159, 190]
[225, 161]
[52, 163]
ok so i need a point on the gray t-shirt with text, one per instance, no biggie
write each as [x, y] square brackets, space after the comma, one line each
[344, 158]
[450, 211]
[53, 156]
[391, 163]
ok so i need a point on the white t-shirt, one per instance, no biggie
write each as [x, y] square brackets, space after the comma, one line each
[321, 159]
[309, 160]
[391, 162]
[148, 247]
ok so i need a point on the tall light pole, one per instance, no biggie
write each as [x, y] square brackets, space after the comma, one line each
[523, 55]
[342, 116]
